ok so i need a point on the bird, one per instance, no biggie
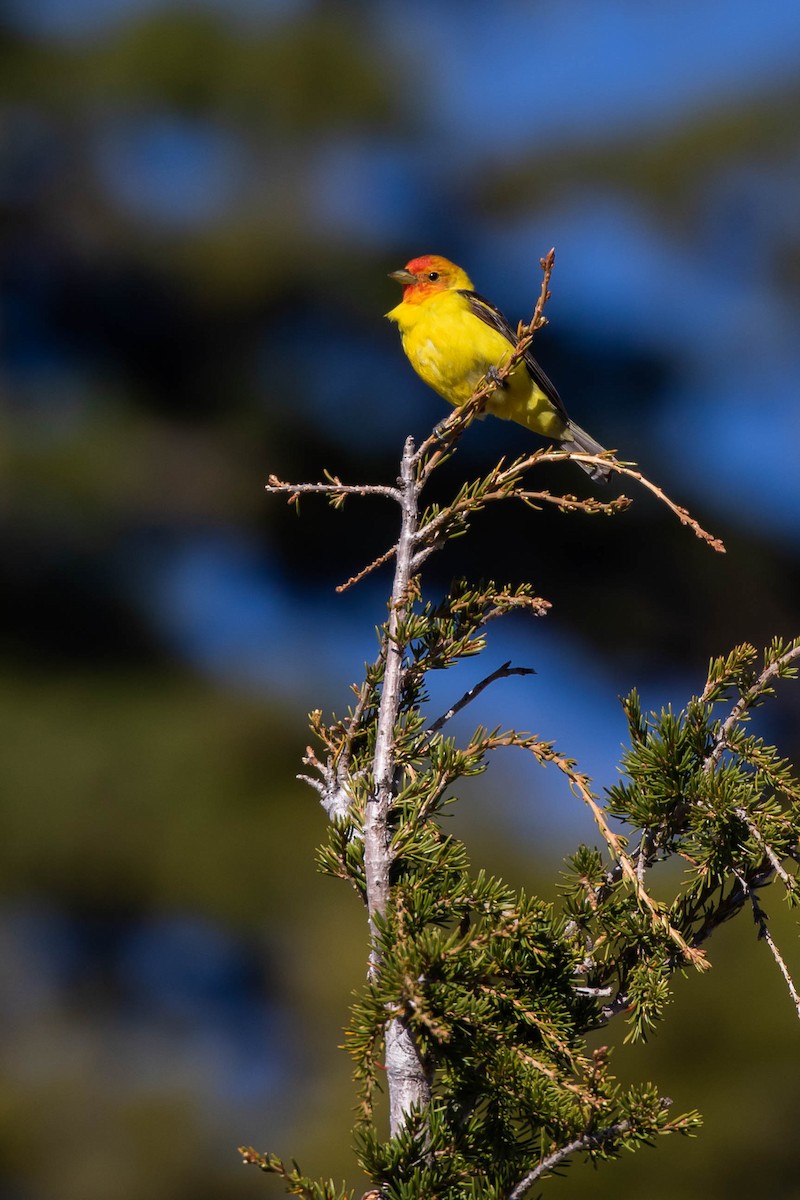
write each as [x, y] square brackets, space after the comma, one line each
[454, 338]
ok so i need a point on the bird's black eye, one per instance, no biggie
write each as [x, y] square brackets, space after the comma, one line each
[433, 276]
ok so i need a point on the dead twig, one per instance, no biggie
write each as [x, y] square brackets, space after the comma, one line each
[502, 672]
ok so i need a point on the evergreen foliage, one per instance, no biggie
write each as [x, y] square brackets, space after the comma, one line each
[495, 990]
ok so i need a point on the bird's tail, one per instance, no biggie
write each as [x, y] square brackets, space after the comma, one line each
[580, 440]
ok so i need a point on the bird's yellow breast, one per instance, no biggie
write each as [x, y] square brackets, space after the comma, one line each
[449, 347]
[451, 350]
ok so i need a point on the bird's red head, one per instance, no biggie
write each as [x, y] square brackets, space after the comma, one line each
[425, 276]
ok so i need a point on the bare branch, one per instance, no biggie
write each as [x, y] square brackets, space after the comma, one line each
[335, 488]
[538, 319]
[439, 444]
[408, 1080]
[505, 482]
[760, 918]
[767, 936]
[588, 1141]
[362, 574]
[628, 470]
[501, 673]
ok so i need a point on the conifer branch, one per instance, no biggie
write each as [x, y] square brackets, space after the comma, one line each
[778, 667]
[585, 1095]
[775, 863]
[480, 994]
[588, 1141]
[580, 785]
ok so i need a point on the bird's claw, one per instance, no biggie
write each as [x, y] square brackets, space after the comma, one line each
[493, 375]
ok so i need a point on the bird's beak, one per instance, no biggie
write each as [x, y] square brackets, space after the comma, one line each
[405, 277]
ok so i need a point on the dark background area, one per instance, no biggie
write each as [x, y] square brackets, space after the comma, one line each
[199, 204]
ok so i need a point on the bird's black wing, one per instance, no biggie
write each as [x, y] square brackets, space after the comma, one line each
[486, 312]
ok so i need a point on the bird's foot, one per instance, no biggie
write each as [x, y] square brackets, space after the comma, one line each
[493, 375]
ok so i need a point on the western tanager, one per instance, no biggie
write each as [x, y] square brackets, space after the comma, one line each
[453, 338]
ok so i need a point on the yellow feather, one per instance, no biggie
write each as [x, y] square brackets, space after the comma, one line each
[452, 347]
[451, 350]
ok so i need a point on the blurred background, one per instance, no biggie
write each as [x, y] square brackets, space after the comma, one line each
[200, 203]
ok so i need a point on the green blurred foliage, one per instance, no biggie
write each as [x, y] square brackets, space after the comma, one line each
[155, 792]
[196, 62]
[162, 798]
[665, 173]
[146, 793]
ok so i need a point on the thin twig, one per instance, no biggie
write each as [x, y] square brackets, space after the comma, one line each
[589, 1141]
[760, 918]
[501, 673]
[504, 482]
[316, 784]
[362, 574]
[439, 444]
[626, 469]
[335, 488]
[353, 725]
[732, 903]
[785, 971]
[767, 936]
[569, 503]
[539, 319]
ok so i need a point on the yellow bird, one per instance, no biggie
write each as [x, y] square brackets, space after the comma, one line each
[454, 338]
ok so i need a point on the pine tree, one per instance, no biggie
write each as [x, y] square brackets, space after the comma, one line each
[479, 997]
